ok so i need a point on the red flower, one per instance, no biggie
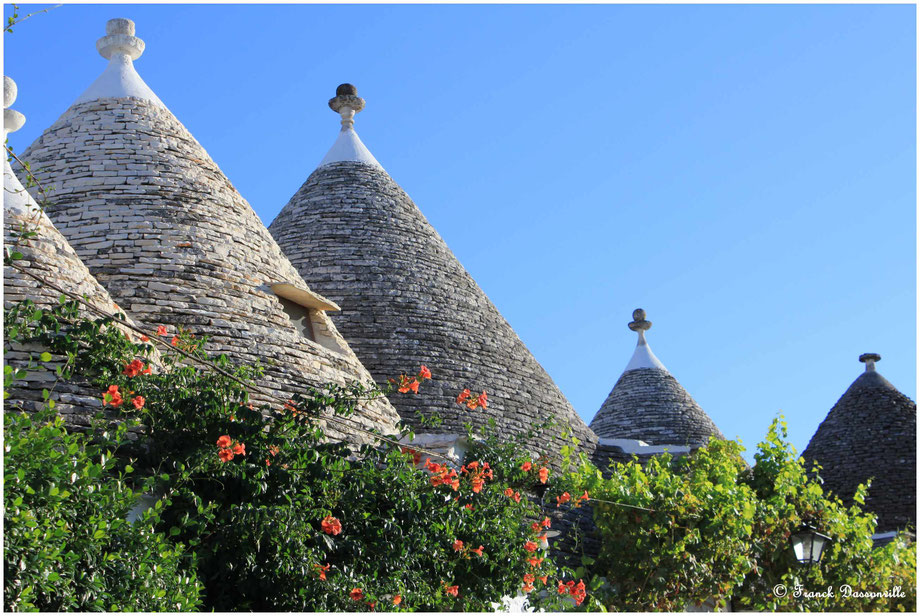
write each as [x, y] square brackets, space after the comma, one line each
[138, 402]
[161, 330]
[477, 551]
[331, 525]
[239, 449]
[468, 506]
[463, 396]
[509, 492]
[452, 590]
[424, 373]
[148, 369]
[225, 455]
[134, 368]
[546, 523]
[356, 594]
[563, 498]
[372, 605]
[397, 599]
[544, 474]
[535, 527]
[530, 546]
[458, 545]
[174, 341]
[561, 589]
[223, 441]
[526, 466]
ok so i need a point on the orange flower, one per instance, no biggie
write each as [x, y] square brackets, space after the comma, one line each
[463, 396]
[322, 570]
[517, 497]
[544, 474]
[372, 605]
[138, 402]
[424, 373]
[397, 599]
[274, 449]
[458, 545]
[112, 396]
[561, 589]
[225, 455]
[223, 441]
[535, 527]
[526, 588]
[546, 523]
[356, 594]
[161, 330]
[477, 551]
[477, 484]
[145, 338]
[534, 561]
[530, 546]
[542, 578]
[174, 341]
[509, 492]
[413, 385]
[468, 506]
[452, 590]
[239, 449]
[482, 399]
[563, 498]
[148, 369]
[584, 496]
[528, 578]
[331, 525]
[526, 466]
[134, 368]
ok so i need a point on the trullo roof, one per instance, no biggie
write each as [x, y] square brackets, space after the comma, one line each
[648, 404]
[167, 234]
[871, 433]
[48, 255]
[406, 299]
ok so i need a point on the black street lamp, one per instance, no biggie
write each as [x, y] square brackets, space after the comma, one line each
[809, 545]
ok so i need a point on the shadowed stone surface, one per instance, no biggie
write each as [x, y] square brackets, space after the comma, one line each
[649, 404]
[406, 300]
[871, 432]
[164, 231]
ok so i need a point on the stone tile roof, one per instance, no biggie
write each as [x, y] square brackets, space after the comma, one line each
[648, 404]
[48, 255]
[871, 433]
[167, 234]
[406, 300]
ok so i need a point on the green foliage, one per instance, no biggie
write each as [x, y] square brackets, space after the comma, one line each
[719, 531]
[67, 546]
[253, 521]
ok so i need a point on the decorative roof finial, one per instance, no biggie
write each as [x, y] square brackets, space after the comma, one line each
[639, 324]
[346, 103]
[869, 359]
[12, 119]
[120, 39]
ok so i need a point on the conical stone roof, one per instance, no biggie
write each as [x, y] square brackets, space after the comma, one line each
[648, 404]
[48, 255]
[167, 234]
[406, 299]
[871, 433]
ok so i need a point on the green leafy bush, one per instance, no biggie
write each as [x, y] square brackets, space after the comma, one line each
[277, 517]
[711, 530]
[67, 545]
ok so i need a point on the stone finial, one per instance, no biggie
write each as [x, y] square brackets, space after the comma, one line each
[639, 324]
[12, 120]
[869, 359]
[119, 39]
[346, 103]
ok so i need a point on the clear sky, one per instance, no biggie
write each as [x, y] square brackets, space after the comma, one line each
[744, 173]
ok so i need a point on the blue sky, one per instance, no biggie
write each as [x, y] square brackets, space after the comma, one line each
[744, 173]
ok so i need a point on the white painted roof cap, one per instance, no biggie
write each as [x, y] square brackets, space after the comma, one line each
[16, 199]
[348, 146]
[119, 79]
[642, 356]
